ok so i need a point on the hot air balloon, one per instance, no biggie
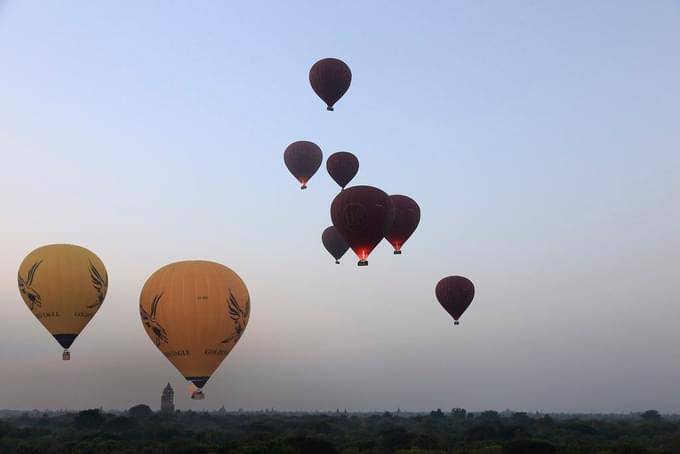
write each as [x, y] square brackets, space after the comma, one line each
[362, 214]
[63, 285]
[455, 293]
[334, 243]
[195, 312]
[303, 159]
[406, 219]
[330, 79]
[342, 167]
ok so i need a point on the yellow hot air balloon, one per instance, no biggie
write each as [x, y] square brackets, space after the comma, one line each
[63, 285]
[195, 312]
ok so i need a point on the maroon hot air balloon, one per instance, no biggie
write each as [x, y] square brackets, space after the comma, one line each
[406, 219]
[342, 166]
[455, 293]
[362, 215]
[334, 243]
[330, 79]
[303, 159]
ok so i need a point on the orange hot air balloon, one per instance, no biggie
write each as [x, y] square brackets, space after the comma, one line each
[195, 312]
[63, 285]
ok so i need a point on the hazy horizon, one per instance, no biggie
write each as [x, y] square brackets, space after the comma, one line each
[540, 140]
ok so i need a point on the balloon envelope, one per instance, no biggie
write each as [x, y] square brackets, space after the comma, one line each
[63, 285]
[406, 219]
[342, 167]
[195, 312]
[303, 159]
[455, 293]
[330, 79]
[334, 243]
[362, 214]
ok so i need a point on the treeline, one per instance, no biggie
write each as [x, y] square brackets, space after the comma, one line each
[142, 431]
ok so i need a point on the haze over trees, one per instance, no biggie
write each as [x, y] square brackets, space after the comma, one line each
[140, 430]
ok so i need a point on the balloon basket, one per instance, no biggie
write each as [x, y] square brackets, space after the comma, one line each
[66, 356]
[456, 322]
[362, 263]
[198, 395]
[337, 262]
[397, 252]
[329, 108]
[304, 186]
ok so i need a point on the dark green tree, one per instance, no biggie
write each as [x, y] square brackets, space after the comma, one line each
[490, 416]
[520, 417]
[140, 411]
[310, 445]
[529, 447]
[396, 438]
[458, 413]
[89, 419]
[438, 413]
[650, 415]
[120, 424]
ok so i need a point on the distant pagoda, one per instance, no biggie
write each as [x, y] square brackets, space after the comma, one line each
[168, 400]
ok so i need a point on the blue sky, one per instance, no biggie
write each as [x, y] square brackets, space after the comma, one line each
[540, 140]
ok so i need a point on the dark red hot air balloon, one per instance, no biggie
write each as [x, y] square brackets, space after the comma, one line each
[303, 159]
[455, 293]
[342, 167]
[330, 79]
[362, 215]
[334, 243]
[406, 219]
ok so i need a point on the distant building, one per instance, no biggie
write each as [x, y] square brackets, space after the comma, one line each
[168, 400]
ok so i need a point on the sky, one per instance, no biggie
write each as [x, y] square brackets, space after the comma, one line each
[540, 139]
